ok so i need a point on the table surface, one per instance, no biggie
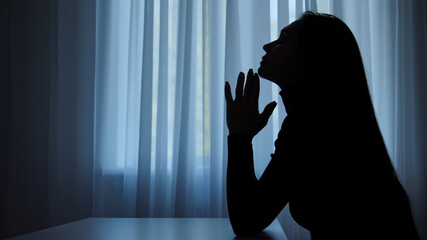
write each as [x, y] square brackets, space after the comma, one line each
[150, 228]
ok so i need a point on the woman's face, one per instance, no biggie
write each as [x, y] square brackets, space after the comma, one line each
[279, 63]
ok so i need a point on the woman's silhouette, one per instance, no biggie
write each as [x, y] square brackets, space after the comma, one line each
[330, 162]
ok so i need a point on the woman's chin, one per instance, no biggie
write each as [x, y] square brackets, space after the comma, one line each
[262, 73]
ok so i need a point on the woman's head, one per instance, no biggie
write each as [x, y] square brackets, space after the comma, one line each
[318, 54]
[309, 47]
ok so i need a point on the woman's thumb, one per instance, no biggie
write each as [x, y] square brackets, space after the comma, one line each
[268, 110]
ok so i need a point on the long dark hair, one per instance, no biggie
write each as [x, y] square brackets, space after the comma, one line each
[330, 60]
[332, 71]
[333, 79]
[333, 82]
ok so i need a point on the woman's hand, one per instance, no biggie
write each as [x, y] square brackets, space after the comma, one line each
[242, 113]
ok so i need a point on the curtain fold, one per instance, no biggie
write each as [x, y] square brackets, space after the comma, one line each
[162, 179]
[215, 56]
[146, 120]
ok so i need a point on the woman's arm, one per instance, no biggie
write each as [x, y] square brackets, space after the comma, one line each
[252, 204]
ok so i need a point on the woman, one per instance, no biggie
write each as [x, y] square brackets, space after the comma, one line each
[330, 162]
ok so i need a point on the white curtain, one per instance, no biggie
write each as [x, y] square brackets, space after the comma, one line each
[159, 119]
[160, 134]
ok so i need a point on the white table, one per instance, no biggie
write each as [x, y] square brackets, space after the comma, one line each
[149, 229]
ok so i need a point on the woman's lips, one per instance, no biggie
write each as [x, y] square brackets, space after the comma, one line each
[264, 58]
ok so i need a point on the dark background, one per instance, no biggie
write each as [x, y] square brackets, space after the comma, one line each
[42, 153]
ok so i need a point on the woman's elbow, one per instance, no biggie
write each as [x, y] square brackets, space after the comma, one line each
[246, 227]
[242, 231]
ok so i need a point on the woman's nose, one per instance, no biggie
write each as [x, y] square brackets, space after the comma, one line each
[267, 47]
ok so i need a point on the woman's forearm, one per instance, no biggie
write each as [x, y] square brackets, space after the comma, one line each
[241, 185]
[253, 204]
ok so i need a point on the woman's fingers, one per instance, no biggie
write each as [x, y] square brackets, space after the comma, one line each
[250, 89]
[249, 83]
[239, 87]
[255, 88]
[228, 96]
[243, 116]
[268, 110]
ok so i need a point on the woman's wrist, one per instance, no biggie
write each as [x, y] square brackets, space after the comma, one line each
[239, 135]
[240, 138]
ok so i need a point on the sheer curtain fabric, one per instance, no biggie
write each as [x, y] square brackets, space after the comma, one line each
[160, 127]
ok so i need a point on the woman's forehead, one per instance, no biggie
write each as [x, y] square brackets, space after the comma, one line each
[291, 27]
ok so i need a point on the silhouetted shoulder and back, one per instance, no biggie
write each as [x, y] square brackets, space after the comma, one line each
[330, 161]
